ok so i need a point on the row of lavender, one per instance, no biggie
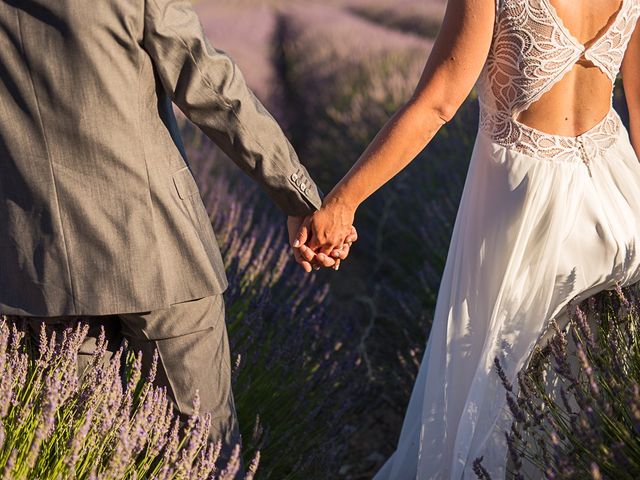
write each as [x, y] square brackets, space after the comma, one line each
[576, 406]
[417, 16]
[297, 375]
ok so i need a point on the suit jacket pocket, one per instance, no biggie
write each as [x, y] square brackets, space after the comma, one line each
[185, 183]
[188, 191]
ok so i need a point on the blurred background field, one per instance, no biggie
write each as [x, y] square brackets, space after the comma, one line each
[326, 362]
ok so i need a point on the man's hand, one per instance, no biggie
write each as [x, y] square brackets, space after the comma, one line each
[295, 225]
[299, 235]
[333, 260]
[328, 229]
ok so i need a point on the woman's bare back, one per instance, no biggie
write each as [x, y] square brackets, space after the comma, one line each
[583, 96]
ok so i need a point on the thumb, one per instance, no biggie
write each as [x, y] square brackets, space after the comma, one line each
[302, 235]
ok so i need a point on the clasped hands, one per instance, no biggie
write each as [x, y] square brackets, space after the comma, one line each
[324, 238]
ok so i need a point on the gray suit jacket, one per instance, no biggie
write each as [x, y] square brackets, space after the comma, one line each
[99, 211]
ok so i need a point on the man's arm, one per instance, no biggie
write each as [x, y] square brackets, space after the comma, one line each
[209, 88]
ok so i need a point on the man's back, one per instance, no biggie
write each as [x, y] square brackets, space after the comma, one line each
[99, 212]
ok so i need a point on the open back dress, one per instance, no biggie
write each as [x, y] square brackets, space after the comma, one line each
[543, 219]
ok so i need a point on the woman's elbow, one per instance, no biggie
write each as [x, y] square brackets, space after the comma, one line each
[446, 111]
[440, 112]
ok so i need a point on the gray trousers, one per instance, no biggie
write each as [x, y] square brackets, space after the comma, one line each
[193, 354]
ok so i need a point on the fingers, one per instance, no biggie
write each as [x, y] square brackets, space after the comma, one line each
[298, 230]
[302, 235]
[341, 253]
[306, 253]
[314, 254]
[293, 225]
[303, 263]
[325, 260]
[352, 237]
[316, 259]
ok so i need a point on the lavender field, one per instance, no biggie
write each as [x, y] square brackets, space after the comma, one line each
[324, 363]
[332, 72]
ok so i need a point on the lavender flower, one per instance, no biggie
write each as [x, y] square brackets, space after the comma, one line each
[51, 430]
[600, 439]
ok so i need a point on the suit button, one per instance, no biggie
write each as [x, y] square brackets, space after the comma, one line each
[303, 187]
[294, 176]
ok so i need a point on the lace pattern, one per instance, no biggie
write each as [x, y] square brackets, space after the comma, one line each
[531, 51]
[529, 54]
[608, 51]
[583, 148]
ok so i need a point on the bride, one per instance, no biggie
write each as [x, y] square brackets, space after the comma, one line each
[550, 209]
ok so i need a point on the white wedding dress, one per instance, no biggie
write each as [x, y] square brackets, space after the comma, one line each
[543, 219]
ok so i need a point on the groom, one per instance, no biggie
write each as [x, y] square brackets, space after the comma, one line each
[100, 216]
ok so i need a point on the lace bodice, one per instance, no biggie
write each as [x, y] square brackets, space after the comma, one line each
[531, 51]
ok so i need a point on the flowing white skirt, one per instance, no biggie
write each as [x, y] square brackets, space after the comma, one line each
[530, 235]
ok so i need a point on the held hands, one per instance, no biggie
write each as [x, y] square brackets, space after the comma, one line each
[324, 238]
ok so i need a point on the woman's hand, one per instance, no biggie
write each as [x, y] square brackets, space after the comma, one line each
[328, 228]
[325, 238]
[334, 258]
[300, 231]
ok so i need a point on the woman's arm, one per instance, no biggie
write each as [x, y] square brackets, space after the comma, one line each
[631, 80]
[455, 62]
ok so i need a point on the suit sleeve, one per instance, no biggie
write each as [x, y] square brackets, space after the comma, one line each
[208, 87]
